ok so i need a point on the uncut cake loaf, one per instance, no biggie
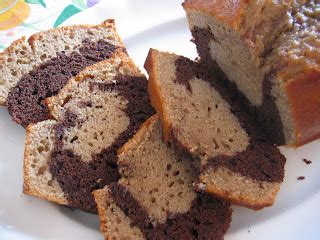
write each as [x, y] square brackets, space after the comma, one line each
[94, 114]
[155, 198]
[36, 68]
[270, 52]
[202, 120]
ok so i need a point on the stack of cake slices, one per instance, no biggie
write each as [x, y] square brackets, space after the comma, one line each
[165, 158]
[82, 101]
[80, 97]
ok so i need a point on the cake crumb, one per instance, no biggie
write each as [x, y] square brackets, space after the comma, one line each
[307, 161]
[201, 187]
[301, 178]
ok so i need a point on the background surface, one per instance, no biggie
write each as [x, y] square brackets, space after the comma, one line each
[142, 24]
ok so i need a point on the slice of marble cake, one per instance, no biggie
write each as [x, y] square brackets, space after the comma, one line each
[203, 120]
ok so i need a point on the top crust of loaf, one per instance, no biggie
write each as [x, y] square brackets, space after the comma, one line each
[109, 23]
[229, 11]
[25, 54]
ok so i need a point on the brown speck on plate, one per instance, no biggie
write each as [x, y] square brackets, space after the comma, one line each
[301, 178]
[307, 161]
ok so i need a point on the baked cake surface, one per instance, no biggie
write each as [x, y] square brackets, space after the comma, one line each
[155, 198]
[270, 51]
[94, 115]
[201, 119]
[36, 68]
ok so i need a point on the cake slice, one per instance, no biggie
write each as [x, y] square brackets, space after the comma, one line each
[201, 119]
[95, 113]
[36, 68]
[270, 52]
[155, 198]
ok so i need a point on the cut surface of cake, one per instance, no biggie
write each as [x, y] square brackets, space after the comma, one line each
[201, 119]
[270, 52]
[38, 67]
[155, 198]
[95, 113]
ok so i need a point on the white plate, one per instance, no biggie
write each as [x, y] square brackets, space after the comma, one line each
[157, 24]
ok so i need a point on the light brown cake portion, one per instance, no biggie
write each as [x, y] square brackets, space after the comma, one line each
[94, 115]
[158, 189]
[235, 162]
[154, 175]
[270, 51]
[38, 180]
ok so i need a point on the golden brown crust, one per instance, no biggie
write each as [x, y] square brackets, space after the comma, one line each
[139, 134]
[238, 189]
[101, 199]
[304, 98]
[26, 186]
[155, 96]
[32, 38]
[99, 196]
[231, 12]
[107, 23]
[12, 46]
[9, 50]
[242, 201]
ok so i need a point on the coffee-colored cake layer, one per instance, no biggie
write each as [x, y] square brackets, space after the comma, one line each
[95, 114]
[270, 51]
[201, 119]
[155, 198]
[37, 68]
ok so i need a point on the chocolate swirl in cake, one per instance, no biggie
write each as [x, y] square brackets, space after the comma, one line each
[207, 218]
[261, 160]
[26, 100]
[77, 177]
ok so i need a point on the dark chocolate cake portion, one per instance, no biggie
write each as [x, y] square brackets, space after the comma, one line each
[26, 101]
